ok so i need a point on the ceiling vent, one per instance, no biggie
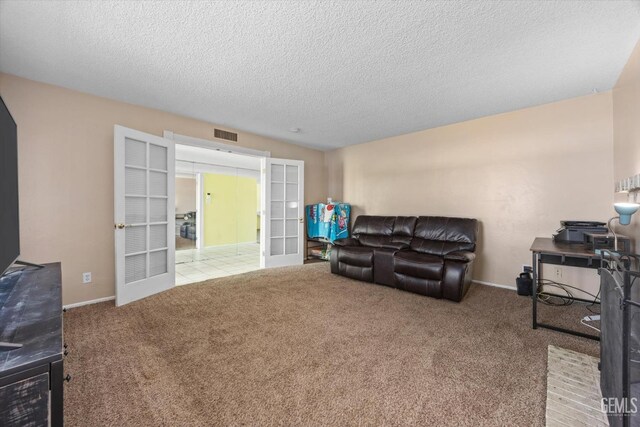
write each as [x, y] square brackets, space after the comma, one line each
[223, 134]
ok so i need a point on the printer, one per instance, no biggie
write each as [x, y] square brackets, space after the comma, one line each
[573, 231]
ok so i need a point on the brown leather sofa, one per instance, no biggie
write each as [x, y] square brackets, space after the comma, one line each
[428, 255]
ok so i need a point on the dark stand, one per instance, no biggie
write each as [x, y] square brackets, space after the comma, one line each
[8, 346]
[31, 378]
[546, 251]
[619, 376]
[28, 264]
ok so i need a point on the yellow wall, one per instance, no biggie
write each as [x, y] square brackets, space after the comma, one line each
[65, 144]
[230, 215]
[626, 135]
[519, 173]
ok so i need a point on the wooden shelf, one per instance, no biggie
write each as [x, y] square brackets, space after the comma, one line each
[316, 248]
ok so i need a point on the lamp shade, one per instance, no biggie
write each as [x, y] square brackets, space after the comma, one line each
[625, 210]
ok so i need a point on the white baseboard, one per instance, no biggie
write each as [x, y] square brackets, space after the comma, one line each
[93, 301]
[495, 285]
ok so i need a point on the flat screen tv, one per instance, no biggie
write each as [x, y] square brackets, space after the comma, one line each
[9, 225]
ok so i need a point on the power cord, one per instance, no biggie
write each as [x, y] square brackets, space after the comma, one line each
[566, 288]
[586, 319]
[564, 300]
[550, 299]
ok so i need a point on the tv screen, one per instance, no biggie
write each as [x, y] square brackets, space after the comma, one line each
[9, 226]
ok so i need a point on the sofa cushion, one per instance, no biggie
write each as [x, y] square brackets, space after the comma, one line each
[403, 229]
[439, 236]
[373, 225]
[349, 241]
[358, 256]
[373, 240]
[430, 288]
[418, 265]
[364, 274]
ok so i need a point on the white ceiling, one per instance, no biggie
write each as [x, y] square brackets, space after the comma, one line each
[342, 72]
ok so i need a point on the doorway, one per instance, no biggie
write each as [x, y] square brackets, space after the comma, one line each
[218, 203]
[145, 211]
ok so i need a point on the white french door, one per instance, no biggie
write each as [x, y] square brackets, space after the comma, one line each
[282, 228]
[144, 172]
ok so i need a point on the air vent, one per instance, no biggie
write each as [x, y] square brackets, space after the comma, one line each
[223, 134]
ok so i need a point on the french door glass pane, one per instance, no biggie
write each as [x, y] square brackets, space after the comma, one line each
[157, 157]
[157, 263]
[277, 191]
[135, 210]
[292, 210]
[157, 183]
[292, 228]
[277, 173]
[292, 192]
[291, 245]
[135, 239]
[277, 210]
[135, 153]
[158, 210]
[135, 268]
[292, 174]
[157, 236]
[277, 246]
[277, 228]
[135, 182]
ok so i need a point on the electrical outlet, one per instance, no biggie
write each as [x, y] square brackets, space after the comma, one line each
[86, 277]
[558, 271]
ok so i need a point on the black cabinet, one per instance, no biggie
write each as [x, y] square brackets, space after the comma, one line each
[31, 377]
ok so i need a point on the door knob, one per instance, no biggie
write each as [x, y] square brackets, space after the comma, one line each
[120, 226]
[67, 378]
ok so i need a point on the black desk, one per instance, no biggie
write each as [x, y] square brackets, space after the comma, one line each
[546, 251]
[31, 377]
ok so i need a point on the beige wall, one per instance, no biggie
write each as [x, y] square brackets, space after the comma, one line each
[626, 134]
[519, 173]
[66, 175]
[185, 195]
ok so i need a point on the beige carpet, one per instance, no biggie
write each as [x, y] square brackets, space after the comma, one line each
[299, 346]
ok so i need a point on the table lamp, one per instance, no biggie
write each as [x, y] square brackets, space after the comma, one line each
[625, 211]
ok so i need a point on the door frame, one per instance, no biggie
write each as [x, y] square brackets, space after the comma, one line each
[228, 148]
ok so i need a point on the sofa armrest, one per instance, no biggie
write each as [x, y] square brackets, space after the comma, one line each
[349, 241]
[461, 256]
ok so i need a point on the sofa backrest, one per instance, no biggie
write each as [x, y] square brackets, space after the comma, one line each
[372, 230]
[403, 229]
[377, 231]
[438, 235]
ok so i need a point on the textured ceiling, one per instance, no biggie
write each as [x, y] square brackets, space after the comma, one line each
[342, 72]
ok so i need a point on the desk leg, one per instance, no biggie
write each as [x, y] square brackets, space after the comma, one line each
[534, 291]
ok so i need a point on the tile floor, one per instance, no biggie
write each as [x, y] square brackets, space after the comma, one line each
[194, 265]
